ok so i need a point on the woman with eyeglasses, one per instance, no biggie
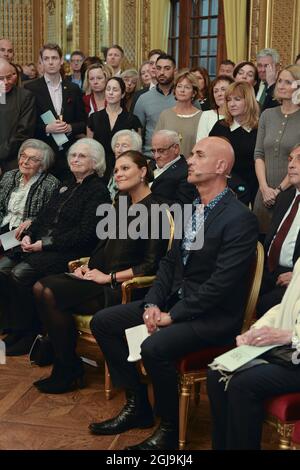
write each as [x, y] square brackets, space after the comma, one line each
[25, 191]
[64, 230]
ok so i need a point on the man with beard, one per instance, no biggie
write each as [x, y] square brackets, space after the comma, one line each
[151, 104]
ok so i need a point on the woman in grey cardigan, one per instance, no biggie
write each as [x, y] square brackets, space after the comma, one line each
[25, 191]
[278, 132]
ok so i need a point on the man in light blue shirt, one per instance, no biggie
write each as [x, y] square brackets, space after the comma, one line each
[149, 106]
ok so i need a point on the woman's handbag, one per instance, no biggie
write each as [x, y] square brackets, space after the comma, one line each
[41, 352]
[282, 356]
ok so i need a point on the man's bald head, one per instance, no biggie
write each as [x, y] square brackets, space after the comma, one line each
[218, 148]
[210, 163]
[6, 76]
[6, 49]
[5, 66]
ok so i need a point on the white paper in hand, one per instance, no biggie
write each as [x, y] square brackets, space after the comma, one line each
[8, 240]
[48, 118]
[135, 336]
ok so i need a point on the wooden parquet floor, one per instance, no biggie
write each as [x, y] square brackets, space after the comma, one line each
[30, 420]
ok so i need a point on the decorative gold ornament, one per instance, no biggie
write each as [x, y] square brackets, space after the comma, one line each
[50, 4]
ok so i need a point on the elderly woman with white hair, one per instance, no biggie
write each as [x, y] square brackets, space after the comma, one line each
[121, 142]
[25, 191]
[64, 230]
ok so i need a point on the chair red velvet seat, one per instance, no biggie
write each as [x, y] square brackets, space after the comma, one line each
[192, 367]
[199, 359]
[283, 411]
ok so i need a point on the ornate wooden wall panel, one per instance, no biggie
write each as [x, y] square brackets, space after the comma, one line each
[13, 26]
[130, 27]
[276, 24]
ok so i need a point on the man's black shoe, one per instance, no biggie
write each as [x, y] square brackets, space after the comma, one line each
[164, 438]
[137, 413]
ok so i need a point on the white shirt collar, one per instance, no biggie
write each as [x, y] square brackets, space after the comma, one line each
[48, 80]
[235, 125]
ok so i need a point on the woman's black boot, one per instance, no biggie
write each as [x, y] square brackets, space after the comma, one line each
[62, 379]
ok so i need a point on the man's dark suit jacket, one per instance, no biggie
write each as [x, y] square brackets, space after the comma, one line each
[172, 186]
[17, 124]
[215, 278]
[72, 109]
[283, 202]
[269, 101]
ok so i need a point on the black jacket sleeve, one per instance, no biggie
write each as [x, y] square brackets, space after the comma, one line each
[25, 127]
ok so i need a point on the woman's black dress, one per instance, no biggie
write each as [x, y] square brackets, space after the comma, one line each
[142, 255]
[243, 171]
[100, 125]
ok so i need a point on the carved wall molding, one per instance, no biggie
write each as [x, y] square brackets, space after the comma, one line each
[50, 4]
[276, 24]
[16, 23]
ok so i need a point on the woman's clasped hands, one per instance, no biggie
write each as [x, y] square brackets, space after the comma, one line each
[84, 272]
[29, 247]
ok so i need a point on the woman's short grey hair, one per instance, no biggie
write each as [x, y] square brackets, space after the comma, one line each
[47, 153]
[135, 138]
[96, 153]
[271, 52]
[172, 135]
[130, 73]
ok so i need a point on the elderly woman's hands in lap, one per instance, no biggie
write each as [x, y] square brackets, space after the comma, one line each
[22, 227]
[29, 247]
[264, 336]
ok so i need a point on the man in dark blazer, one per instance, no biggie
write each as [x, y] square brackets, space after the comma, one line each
[64, 99]
[275, 282]
[268, 66]
[197, 300]
[170, 170]
[17, 118]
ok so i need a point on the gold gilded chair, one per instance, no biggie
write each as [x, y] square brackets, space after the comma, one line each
[283, 412]
[192, 368]
[83, 321]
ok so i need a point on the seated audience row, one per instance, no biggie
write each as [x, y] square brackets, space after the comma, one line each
[63, 230]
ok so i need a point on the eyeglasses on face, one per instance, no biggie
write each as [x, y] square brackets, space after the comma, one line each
[161, 151]
[6, 77]
[29, 158]
[81, 156]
